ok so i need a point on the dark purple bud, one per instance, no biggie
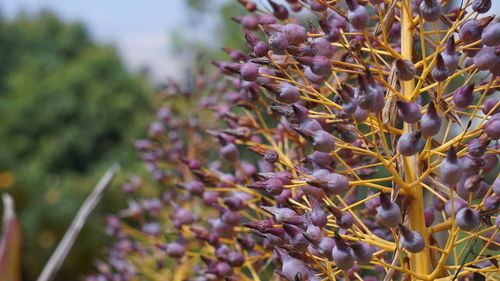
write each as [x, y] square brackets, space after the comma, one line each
[210, 197]
[492, 203]
[342, 254]
[332, 183]
[223, 269]
[492, 127]
[321, 159]
[477, 147]
[234, 203]
[412, 241]
[313, 77]
[357, 15]
[467, 218]
[430, 10]
[317, 6]
[409, 112]
[490, 162]
[279, 11]
[458, 203]
[463, 96]
[440, 71]
[288, 93]
[389, 212]
[487, 58]
[271, 156]
[293, 269]
[429, 216]
[261, 49]
[323, 141]
[278, 43]
[249, 71]
[195, 187]
[249, 22]
[408, 143]
[183, 217]
[360, 114]
[496, 186]
[175, 250]
[318, 216]
[274, 186]
[450, 56]
[491, 106]
[430, 122]
[297, 239]
[363, 252]
[319, 65]
[325, 247]
[280, 214]
[472, 29]
[344, 220]
[491, 34]
[450, 168]
[235, 259]
[321, 47]
[295, 34]
[481, 6]
[405, 70]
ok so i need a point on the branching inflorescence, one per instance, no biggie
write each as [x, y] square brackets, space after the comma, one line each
[371, 135]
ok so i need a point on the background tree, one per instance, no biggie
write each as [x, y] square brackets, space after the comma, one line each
[68, 108]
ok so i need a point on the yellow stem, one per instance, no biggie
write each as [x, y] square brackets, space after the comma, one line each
[419, 262]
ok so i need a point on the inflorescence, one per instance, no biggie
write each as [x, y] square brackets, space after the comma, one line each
[356, 140]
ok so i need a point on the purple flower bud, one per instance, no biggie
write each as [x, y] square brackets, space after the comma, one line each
[477, 147]
[458, 203]
[481, 6]
[261, 49]
[430, 10]
[491, 34]
[357, 15]
[408, 143]
[487, 58]
[492, 127]
[412, 241]
[175, 250]
[210, 197]
[235, 259]
[292, 268]
[319, 65]
[223, 269]
[278, 43]
[332, 183]
[450, 168]
[288, 94]
[430, 122]
[450, 56]
[318, 216]
[389, 212]
[323, 141]
[363, 252]
[295, 34]
[463, 96]
[249, 71]
[313, 77]
[429, 216]
[490, 162]
[342, 254]
[279, 11]
[325, 247]
[491, 103]
[409, 112]
[321, 159]
[440, 71]
[360, 114]
[467, 218]
[405, 70]
[321, 47]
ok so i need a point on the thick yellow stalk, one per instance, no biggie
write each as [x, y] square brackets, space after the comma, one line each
[419, 262]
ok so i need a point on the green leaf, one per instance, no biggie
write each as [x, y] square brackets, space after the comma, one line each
[10, 243]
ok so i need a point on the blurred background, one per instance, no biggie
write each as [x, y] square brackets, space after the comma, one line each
[78, 81]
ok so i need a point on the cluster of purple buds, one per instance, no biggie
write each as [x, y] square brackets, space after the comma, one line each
[337, 149]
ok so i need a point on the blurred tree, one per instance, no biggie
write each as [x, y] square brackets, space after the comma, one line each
[68, 108]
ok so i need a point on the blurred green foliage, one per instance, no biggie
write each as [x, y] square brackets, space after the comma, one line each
[68, 109]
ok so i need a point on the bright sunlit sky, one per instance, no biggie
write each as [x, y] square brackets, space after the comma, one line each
[138, 28]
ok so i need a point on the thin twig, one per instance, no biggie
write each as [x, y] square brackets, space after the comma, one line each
[62, 250]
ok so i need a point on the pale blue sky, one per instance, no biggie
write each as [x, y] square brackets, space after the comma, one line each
[138, 28]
